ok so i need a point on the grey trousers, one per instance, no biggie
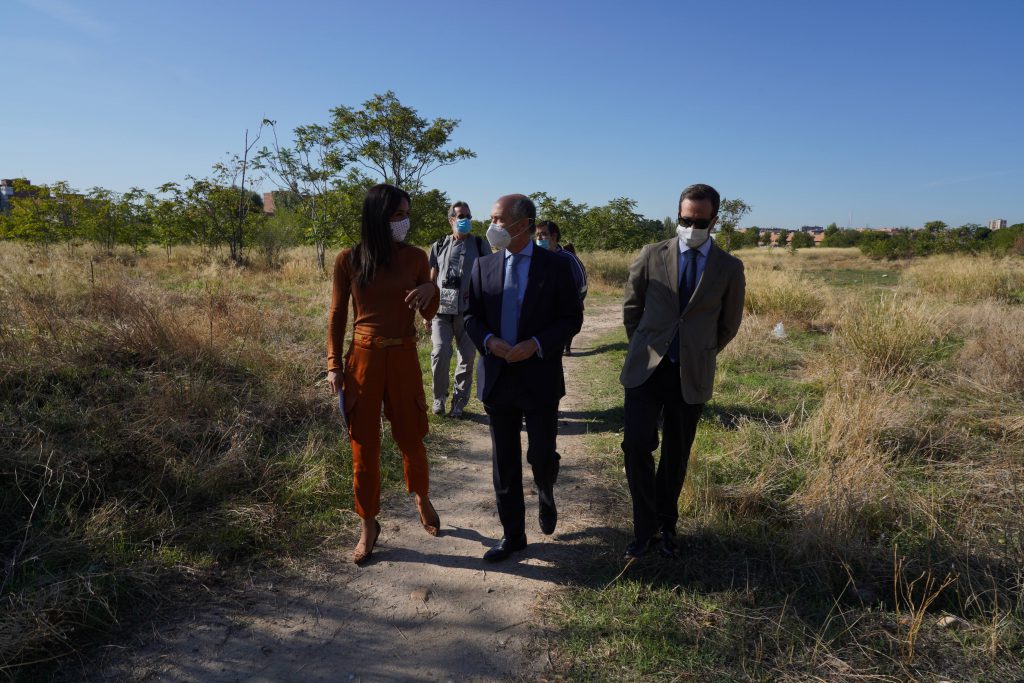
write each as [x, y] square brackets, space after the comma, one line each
[444, 330]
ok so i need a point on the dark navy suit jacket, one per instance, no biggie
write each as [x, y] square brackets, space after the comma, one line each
[551, 312]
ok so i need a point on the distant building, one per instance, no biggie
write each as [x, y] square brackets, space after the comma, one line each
[7, 192]
[268, 203]
[997, 224]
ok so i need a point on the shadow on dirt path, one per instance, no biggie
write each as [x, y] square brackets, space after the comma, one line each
[423, 608]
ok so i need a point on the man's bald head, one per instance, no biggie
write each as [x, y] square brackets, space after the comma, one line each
[518, 206]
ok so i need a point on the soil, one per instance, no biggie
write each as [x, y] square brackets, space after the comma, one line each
[422, 608]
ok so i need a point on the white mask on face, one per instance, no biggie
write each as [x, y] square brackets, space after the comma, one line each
[498, 237]
[399, 229]
[692, 237]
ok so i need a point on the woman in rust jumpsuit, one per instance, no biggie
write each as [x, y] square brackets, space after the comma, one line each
[388, 282]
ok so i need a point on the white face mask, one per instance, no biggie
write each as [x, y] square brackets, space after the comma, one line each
[498, 236]
[399, 229]
[692, 237]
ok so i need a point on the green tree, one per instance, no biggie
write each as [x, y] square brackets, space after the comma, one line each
[615, 225]
[135, 218]
[101, 220]
[783, 239]
[314, 182]
[801, 240]
[393, 141]
[752, 236]
[567, 214]
[730, 213]
[168, 216]
[428, 217]
[31, 217]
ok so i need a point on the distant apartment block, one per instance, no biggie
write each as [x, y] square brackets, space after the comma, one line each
[997, 224]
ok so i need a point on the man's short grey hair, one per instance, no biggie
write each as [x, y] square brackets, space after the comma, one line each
[523, 207]
[454, 208]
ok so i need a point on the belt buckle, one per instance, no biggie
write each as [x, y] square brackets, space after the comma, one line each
[385, 342]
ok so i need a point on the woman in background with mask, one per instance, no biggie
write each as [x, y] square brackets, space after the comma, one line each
[388, 282]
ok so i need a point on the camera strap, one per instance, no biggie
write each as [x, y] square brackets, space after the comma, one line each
[450, 297]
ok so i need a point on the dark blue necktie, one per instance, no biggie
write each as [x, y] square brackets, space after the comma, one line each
[510, 303]
[687, 283]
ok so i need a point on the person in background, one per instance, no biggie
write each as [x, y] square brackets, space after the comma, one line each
[683, 304]
[550, 237]
[522, 310]
[388, 281]
[451, 261]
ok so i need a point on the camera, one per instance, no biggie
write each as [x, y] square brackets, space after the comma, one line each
[452, 281]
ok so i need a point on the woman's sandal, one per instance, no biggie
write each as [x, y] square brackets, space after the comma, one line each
[432, 526]
[358, 556]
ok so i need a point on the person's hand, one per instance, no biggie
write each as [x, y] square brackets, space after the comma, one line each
[498, 347]
[521, 351]
[334, 379]
[418, 298]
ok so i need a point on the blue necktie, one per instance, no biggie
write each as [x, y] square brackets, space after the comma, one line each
[687, 283]
[510, 303]
[689, 279]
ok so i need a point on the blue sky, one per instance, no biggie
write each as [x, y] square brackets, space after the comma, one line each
[899, 112]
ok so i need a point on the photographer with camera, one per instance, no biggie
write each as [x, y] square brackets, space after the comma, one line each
[451, 261]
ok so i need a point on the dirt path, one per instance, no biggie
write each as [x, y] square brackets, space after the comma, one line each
[423, 608]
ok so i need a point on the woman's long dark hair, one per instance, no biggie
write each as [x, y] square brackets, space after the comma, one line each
[374, 250]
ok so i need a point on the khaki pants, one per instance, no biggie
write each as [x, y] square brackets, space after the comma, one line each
[444, 330]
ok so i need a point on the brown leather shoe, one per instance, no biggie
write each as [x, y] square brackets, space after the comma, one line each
[433, 524]
[360, 556]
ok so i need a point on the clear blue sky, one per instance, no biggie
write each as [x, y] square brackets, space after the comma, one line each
[900, 112]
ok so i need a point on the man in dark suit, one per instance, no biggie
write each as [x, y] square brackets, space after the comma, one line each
[523, 308]
[683, 304]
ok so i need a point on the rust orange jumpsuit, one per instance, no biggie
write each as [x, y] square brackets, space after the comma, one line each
[381, 367]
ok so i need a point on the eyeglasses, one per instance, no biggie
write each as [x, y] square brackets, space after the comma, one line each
[697, 223]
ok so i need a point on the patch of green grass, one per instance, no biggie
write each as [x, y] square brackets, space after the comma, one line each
[858, 277]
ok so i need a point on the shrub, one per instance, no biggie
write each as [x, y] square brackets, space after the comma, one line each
[782, 294]
[889, 336]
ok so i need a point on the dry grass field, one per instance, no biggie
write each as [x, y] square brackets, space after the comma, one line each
[163, 423]
[853, 510]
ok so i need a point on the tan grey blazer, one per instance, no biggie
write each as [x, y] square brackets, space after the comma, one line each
[709, 322]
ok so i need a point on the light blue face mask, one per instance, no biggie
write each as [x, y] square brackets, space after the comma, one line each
[544, 244]
[464, 225]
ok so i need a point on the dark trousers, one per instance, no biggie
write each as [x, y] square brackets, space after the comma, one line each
[506, 420]
[656, 494]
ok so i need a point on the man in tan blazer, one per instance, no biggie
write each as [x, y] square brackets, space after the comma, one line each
[683, 304]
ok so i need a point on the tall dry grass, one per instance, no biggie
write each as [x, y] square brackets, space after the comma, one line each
[783, 295]
[160, 419]
[607, 271]
[961, 278]
[890, 335]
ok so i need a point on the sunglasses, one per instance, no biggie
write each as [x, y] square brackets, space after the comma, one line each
[463, 215]
[696, 223]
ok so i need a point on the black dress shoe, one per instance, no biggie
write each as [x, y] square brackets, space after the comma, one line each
[547, 514]
[636, 548]
[668, 548]
[505, 548]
